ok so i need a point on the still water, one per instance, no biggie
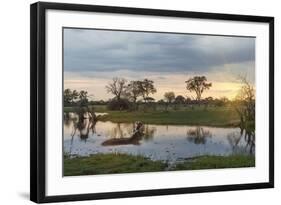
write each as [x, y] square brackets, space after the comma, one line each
[170, 143]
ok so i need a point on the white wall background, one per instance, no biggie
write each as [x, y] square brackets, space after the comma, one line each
[14, 94]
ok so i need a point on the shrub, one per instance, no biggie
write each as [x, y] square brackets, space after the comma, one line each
[121, 104]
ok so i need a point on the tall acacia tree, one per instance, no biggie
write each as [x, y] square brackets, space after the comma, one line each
[198, 84]
[146, 88]
[133, 90]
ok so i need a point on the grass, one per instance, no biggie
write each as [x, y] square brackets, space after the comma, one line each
[215, 162]
[212, 116]
[110, 164]
[97, 108]
[219, 116]
[122, 163]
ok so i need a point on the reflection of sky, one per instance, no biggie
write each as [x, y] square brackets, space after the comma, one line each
[162, 142]
[93, 57]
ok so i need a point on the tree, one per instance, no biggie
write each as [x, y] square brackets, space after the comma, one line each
[133, 90]
[74, 96]
[149, 99]
[117, 87]
[67, 97]
[198, 84]
[161, 101]
[245, 104]
[122, 104]
[180, 99]
[146, 87]
[224, 100]
[70, 97]
[188, 100]
[208, 101]
[169, 97]
[83, 98]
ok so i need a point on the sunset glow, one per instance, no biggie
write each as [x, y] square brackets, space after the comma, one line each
[94, 57]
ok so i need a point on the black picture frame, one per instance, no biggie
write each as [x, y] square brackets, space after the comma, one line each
[38, 100]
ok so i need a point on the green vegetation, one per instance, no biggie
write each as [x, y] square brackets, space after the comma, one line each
[219, 116]
[213, 116]
[110, 164]
[122, 163]
[125, 106]
[96, 108]
[213, 162]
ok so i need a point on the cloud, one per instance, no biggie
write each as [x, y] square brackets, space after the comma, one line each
[93, 57]
[108, 51]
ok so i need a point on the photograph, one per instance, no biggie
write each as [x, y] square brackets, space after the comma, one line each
[134, 102]
[149, 101]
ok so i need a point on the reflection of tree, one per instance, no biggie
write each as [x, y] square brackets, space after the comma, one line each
[70, 117]
[84, 129]
[198, 135]
[117, 132]
[234, 140]
[137, 132]
[83, 122]
[85, 126]
[121, 130]
[148, 132]
[67, 121]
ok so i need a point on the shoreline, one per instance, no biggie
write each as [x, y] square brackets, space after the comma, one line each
[124, 163]
[214, 117]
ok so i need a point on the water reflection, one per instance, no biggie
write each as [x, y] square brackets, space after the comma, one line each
[158, 142]
[129, 134]
[149, 132]
[83, 127]
[235, 138]
[198, 135]
[79, 126]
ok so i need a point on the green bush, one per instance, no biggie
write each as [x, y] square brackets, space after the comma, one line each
[121, 104]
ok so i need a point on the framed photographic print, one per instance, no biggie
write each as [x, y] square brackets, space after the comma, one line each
[129, 102]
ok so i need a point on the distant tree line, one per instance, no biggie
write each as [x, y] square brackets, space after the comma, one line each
[132, 94]
[129, 95]
[75, 98]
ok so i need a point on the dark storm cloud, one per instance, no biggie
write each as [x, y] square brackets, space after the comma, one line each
[98, 50]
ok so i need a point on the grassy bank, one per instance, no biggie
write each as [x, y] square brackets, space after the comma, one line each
[122, 163]
[110, 164]
[215, 162]
[211, 117]
[97, 108]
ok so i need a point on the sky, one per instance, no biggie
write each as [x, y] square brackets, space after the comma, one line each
[93, 57]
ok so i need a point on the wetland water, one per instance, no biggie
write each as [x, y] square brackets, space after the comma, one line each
[170, 143]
